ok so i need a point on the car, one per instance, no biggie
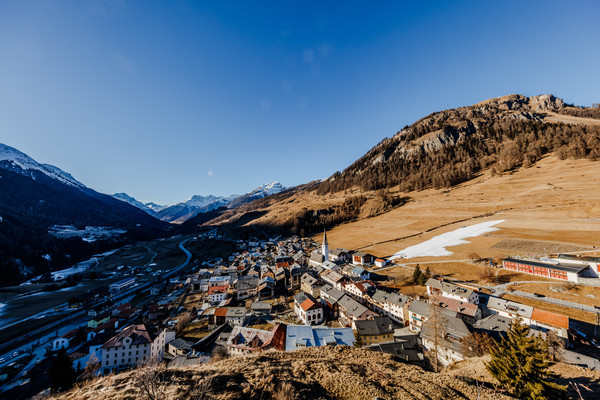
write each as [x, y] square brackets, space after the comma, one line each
[15, 354]
[538, 295]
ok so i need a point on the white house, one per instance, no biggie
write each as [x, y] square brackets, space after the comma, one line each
[452, 291]
[309, 310]
[133, 345]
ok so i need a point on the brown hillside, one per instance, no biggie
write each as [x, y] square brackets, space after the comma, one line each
[312, 373]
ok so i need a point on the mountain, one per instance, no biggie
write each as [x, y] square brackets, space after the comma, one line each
[268, 189]
[182, 212]
[442, 151]
[130, 200]
[48, 219]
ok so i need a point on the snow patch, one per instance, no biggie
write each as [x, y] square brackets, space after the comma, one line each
[436, 246]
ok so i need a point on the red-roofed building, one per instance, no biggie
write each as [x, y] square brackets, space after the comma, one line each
[309, 310]
[545, 320]
[216, 294]
[468, 312]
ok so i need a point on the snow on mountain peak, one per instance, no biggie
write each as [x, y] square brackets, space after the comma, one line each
[268, 189]
[24, 162]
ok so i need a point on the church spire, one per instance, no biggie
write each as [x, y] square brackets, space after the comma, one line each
[325, 246]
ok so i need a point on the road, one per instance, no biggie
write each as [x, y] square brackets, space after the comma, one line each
[73, 321]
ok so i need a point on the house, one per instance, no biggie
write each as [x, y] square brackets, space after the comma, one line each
[451, 290]
[64, 341]
[301, 336]
[204, 348]
[216, 294]
[419, 312]
[380, 262]
[309, 310]
[219, 281]
[510, 309]
[391, 305]
[362, 258]
[261, 309]
[329, 297]
[338, 255]
[246, 287]
[405, 348]
[296, 273]
[360, 291]
[330, 265]
[266, 288]
[334, 279]
[558, 270]
[243, 340]
[235, 315]
[468, 312]
[352, 310]
[97, 321]
[133, 345]
[178, 347]
[494, 325]
[360, 273]
[593, 262]
[310, 284]
[316, 259]
[376, 330]
[445, 339]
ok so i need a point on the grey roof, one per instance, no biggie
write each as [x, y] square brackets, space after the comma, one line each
[573, 268]
[361, 254]
[235, 312]
[449, 287]
[454, 330]
[301, 297]
[181, 344]
[338, 252]
[422, 308]
[375, 326]
[331, 276]
[393, 298]
[309, 279]
[497, 304]
[316, 257]
[351, 306]
[493, 323]
[261, 305]
[247, 282]
[403, 350]
[331, 293]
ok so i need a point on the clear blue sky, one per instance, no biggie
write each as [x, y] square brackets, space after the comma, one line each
[164, 100]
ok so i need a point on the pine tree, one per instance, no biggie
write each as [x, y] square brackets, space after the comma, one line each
[520, 363]
[416, 274]
[61, 373]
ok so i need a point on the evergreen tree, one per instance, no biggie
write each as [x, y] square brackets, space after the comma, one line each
[520, 363]
[62, 374]
[416, 274]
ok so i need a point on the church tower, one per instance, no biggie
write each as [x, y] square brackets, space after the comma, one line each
[325, 247]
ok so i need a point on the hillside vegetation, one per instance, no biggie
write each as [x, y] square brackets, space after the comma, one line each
[441, 151]
[311, 373]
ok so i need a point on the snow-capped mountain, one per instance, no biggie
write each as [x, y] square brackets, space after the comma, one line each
[49, 218]
[128, 199]
[155, 207]
[181, 212]
[258, 193]
[16, 161]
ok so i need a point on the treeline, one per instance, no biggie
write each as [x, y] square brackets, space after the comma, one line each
[308, 221]
[498, 145]
[581, 112]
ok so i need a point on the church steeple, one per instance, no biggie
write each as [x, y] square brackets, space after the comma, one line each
[325, 246]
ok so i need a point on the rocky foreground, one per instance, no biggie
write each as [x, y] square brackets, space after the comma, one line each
[312, 373]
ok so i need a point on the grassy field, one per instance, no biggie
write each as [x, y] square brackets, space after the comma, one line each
[589, 295]
[570, 312]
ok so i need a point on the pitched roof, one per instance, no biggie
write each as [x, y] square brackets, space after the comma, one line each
[299, 336]
[397, 299]
[310, 304]
[461, 307]
[140, 334]
[550, 318]
[449, 287]
[376, 326]
[352, 307]
[497, 304]
[218, 289]
[574, 268]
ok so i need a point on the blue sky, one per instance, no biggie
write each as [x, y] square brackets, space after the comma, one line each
[164, 100]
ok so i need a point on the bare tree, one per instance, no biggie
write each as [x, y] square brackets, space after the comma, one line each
[182, 322]
[149, 379]
[476, 344]
[91, 367]
[556, 346]
[436, 327]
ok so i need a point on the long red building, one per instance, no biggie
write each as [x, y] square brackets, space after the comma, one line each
[567, 272]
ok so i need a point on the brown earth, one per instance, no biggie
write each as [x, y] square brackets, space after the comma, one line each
[312, 373]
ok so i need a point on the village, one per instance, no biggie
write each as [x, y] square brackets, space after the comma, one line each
[290, 293]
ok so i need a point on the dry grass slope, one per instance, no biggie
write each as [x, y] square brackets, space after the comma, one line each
[312, 373]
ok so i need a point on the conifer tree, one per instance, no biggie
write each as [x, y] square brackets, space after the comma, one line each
[520, 363]
[416, 274]
[62, 374]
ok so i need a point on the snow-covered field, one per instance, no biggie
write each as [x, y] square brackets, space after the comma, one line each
[89, 234]
[436, 246]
